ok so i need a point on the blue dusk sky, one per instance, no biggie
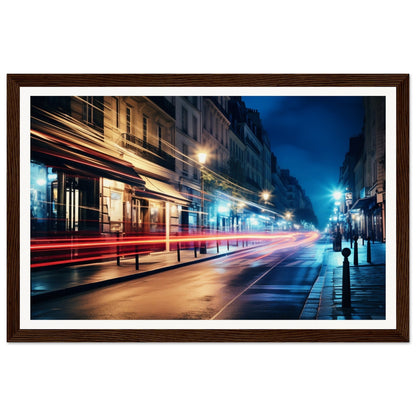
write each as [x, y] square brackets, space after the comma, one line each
[310, 137]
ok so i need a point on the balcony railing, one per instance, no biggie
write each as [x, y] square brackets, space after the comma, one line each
[148, 151]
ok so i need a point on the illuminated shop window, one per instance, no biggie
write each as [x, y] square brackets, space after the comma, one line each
[116, 210]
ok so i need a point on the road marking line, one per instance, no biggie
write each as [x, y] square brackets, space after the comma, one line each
[251, 284]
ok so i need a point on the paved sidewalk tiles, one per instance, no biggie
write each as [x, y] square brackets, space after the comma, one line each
[367, 286]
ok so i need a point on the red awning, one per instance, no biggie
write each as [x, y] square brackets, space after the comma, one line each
[61, 153]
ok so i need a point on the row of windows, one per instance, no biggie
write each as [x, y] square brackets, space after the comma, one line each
[253, 162]
[236, 150]
[186, 165]
[145, 124]
[93, 111]
[239, 154]
[217, 129]
[185, 124]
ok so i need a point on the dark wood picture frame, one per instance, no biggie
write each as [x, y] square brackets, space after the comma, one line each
[399, 81]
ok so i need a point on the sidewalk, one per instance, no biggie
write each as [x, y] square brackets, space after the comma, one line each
[367, 286]
[46, 283]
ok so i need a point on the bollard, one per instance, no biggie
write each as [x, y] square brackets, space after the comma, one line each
[368, 250]
[351, 240]
[195, 250]
[179, 251]
[218, 247]
[346, 285]
[228, 245]
[137, 258]
[355, 250]
[337, 242]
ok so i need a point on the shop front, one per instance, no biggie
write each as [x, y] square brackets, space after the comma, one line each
[76, 190]
[367, 218]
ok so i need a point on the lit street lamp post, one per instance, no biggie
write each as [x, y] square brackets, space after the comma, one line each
[337, 238]
[288, 218]
[202, 157]
[265, 195]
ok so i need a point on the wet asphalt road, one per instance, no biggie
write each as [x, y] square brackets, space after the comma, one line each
[264, 283]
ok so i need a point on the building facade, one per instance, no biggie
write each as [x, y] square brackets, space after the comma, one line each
[108, 167]
[362, 175]
[126, 166]
[188, 144]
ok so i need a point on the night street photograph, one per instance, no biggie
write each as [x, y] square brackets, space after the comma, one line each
[207, 207]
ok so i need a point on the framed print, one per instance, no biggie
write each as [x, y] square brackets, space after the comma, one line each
[208, 208]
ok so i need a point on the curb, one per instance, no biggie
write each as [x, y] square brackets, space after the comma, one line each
[311, 307]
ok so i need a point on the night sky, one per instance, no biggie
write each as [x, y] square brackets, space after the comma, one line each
[310, 137]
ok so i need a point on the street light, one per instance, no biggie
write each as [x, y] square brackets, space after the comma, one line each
[265, 195]
[337, 241]
[288, 218]
[202, 158]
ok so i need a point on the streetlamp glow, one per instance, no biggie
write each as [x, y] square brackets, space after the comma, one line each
[337, 195]
[288, 218]
[265, 195]
[202, 158]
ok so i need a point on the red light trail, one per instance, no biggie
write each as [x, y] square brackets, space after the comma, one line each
[47, 254]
